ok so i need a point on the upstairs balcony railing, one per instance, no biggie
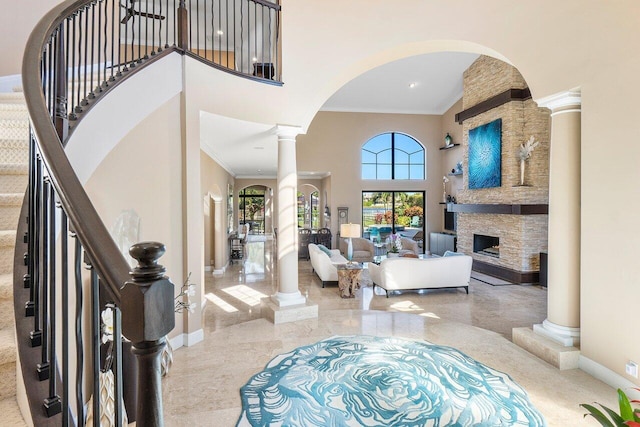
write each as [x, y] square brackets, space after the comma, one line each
[78, 52]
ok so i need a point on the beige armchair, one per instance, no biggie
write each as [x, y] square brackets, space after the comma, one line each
[363, 249]
[409, 246]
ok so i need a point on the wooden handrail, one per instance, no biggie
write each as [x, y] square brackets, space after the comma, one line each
[100, 247]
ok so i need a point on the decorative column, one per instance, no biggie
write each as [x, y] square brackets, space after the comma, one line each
[288, 293]
[563, 293]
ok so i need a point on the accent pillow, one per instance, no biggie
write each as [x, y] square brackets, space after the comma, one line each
[449, 253]
[324, 249]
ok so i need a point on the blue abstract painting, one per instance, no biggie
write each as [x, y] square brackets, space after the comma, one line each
[485, 155]
[382, 381]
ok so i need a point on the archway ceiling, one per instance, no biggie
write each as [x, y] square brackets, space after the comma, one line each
[249, 150]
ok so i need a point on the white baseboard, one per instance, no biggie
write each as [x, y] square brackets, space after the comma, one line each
[606, 375]
[187, 340]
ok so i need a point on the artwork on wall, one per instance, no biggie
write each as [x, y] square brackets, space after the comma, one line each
[485, 155]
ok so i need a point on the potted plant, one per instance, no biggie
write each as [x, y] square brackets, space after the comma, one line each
[394, 245]
[628, 415]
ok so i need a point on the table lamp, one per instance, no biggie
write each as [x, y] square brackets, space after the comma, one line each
[350, 231]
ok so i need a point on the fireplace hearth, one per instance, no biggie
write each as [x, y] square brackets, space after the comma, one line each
[486, 245]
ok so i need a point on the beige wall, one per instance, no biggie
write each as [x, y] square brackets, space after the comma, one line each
[333, 144]
[16, 24]
[143, 173]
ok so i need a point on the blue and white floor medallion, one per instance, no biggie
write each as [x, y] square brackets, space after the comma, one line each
[372, 381]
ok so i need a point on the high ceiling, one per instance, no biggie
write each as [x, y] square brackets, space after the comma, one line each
[424, 84]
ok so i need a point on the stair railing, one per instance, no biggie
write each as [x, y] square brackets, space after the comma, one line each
[76, 55]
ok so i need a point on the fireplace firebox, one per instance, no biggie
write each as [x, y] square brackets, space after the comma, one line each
[486, 245]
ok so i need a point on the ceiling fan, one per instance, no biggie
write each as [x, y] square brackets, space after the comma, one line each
[131, 12]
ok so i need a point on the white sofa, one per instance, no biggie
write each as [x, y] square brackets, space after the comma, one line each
[430, 273]
[324, 265]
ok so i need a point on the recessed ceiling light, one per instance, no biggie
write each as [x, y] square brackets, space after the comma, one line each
[258, 148]
[220, 32]
[254, 59]
[412, 85]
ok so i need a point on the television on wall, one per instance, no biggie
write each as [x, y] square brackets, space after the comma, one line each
[449, 221]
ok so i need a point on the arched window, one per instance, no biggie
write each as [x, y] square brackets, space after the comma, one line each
[393, 155]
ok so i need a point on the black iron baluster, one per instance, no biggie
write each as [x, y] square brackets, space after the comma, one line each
[213, 32]
[64, 264]
[113, 44]
[262, 40]
[220, 29]
[86, 56]
[35, 337]
[72, 104]
[92, 94]
[105, 47]
[95, 343]
[235, 46]
[50, 88]
[226, 32]
[204, 24]
[122, 41]
[52, 404]
[146, 31]
[98, 48]
[43, 366]
[79, 332]
[28, 278]
[190, 29]
[242, 38]
[249, 61]
[153, 29]
[139, 59]
[255, 40]
[198, 28]
[60, 70]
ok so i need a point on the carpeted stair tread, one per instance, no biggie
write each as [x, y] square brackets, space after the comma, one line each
[12, 97]
[7, 346]
[6, 287]
[11, 413]
[7, 238]
[14, 169]
[11, 199]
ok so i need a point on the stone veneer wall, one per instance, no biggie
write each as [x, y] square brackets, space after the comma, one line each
[522, 237]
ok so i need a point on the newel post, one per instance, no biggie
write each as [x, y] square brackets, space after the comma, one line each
[147, 317]
[183, 26]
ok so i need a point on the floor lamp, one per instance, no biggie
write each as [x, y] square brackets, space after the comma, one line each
[350, 231]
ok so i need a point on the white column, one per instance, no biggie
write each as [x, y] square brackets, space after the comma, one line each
[288, 293]
[563, 293]
[219, 234]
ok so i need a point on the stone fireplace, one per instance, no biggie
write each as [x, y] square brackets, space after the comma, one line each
[486, 245]
[512, 217]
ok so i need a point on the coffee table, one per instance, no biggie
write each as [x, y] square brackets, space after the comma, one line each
[349, 279]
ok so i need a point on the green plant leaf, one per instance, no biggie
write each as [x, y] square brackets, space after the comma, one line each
[617, 419]
[598, 415]
[626, 412]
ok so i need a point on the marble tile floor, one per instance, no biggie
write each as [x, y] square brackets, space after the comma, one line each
[202, 388]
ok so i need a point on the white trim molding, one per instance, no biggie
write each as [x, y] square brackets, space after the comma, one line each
[286, 299]
[567, 101]
[187, 340]
[567, 336]
[606, 375]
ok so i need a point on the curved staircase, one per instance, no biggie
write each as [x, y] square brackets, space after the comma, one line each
[14, 133]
